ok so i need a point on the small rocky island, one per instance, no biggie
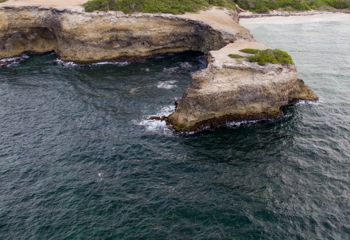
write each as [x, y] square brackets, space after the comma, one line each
[241, 82]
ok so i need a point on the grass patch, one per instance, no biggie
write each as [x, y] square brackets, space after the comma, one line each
[274, 56]
[263, 57]
[249, 50]
[235, 56]
[182, 6]
[155, 6]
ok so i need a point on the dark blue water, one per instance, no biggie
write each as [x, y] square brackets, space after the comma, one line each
[78, 160]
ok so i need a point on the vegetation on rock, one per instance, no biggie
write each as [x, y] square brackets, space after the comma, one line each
[182, 6]
[235, 56]
[249, 50]
[274, 56]
[155, 6]
[263, 57]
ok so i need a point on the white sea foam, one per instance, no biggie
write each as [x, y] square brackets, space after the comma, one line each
[238, 124]
[154, 126]
[100, 178]
[166, 84]
[73, 64]
[66, 64]
[9, 62]
[186, 65]
[167, 110]
[124, 63]
[308, 102]
[157, 126]
[170, 70]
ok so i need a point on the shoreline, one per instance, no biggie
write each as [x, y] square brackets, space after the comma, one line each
[294, 18]
[275, 13]
[75, 5]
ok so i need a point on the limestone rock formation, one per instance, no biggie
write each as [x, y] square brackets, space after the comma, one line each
[228, 89]
[236, 90]
[91, 37]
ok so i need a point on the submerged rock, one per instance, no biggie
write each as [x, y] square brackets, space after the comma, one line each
[227, 90]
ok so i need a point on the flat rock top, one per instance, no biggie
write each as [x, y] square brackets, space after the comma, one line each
[217, 18]
[221, 56]
[66, 4]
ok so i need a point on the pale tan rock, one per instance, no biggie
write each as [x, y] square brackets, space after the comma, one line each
[92, 37]
[236, 90]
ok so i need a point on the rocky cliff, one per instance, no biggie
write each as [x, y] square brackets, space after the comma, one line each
[92, 37]
[228, 89]
[237, 90]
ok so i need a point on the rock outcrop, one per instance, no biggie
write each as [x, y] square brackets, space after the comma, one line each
[237, 90]
[91, 37]
[228, 89]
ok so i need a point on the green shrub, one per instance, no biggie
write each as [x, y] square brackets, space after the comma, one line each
[101, 5]
[276, 56]
[235, 56]
[338, 4]
[155, 6]
[249, 50]
[182, 6]
[262, 9]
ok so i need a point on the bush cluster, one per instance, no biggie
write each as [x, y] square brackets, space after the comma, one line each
[275, 56]
[263, 57]
[155, 6]
[182, 6]
[235, 56]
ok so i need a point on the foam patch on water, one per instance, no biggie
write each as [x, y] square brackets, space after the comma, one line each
[124, 63]
[171, 69]
[186, 65]
[240, 123]
[9, 62]
[303, 102]
[156, 126]
[73, 64]
[167, 85]
[183, 66]
[66, 64]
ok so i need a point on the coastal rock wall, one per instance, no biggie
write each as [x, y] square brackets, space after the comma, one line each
[91, 37]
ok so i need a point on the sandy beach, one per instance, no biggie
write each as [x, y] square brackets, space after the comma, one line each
[70, 4]
[319, 17]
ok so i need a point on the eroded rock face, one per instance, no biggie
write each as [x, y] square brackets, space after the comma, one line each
[91, 37]
[235, 90]
[228, 89]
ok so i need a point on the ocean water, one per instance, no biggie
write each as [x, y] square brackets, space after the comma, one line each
[80, 160]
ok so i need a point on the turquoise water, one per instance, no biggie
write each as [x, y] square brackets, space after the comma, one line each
[78, 160]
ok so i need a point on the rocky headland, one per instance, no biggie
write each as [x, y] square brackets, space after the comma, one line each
[229, 89]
